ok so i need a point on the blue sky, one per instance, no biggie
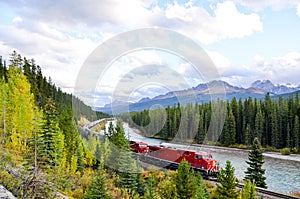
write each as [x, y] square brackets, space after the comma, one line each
[247, 40]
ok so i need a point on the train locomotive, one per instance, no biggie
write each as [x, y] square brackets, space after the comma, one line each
[201, 162]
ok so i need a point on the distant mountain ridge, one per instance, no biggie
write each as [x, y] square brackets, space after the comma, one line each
[269, 87]
[212, 87]
[203, 92]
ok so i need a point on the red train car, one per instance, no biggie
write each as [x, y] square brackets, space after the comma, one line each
[202, 162]
[139, 147]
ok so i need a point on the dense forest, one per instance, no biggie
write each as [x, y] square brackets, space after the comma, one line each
[274, 121]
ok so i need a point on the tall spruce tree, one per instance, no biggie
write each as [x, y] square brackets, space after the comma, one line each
[227, 189]
[185, 183]
[50, 141]
[201, 191]
[255, 172]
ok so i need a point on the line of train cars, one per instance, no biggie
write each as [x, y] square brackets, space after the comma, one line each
[199, 161]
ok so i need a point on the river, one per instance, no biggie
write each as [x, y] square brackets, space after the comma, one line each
[282, 172]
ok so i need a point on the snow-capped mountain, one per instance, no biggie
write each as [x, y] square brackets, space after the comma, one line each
[268, 86]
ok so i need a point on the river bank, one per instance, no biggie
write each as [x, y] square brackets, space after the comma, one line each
[282, 171]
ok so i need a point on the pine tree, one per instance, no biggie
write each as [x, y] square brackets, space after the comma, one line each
[98, 187]
[227, 189]
[201, 191]
[275, 131]
[127, 171]
[296, 131]
[255, 172]
[247, 135]
[259, 125]
[229, 130]
[150, 189]
[118, 136]
[68, 127]
[249, 190]
[167, 187]
[50, 146]
[185, 181]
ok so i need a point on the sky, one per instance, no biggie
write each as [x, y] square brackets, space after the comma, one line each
[246, 40]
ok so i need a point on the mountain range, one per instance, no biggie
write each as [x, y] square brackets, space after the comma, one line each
[204, 92]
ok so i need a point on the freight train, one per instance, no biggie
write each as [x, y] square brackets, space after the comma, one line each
[199, 161]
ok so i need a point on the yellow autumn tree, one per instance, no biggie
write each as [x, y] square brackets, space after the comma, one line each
[19, 111]
[3, 99]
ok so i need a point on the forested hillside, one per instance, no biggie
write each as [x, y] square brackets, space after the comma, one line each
[39, 140]
[274, 121]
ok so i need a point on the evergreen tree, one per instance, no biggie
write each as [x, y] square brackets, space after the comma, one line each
[79, 154]
[296, 132]
[150, 189]
[167, 187]
[201, 191]
[117, 136]
[50, 148]
[259, 125]
[255, 172]
[275, 131]
[185, 181]
[68, 127]
[229, 130]
[128, 171]
[247, 135]
[227, 189]
[98, 187]
[249, 190]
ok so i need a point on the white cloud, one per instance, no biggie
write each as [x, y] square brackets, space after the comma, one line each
[221, 62]
[259, 5]
[183, 13]
[227, 22]
[280, 70]
[233, 24]
[298, 10]
[59, 55]
[17, 20]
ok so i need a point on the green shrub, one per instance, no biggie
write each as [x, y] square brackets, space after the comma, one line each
[9, 182]
[294, 150]
[270, 148]
[285, 151]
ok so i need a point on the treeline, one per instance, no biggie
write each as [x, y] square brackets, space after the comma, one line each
[274, 122]
[43, 88]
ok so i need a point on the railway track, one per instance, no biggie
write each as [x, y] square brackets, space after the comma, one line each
[272, 194]
[173, 166]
